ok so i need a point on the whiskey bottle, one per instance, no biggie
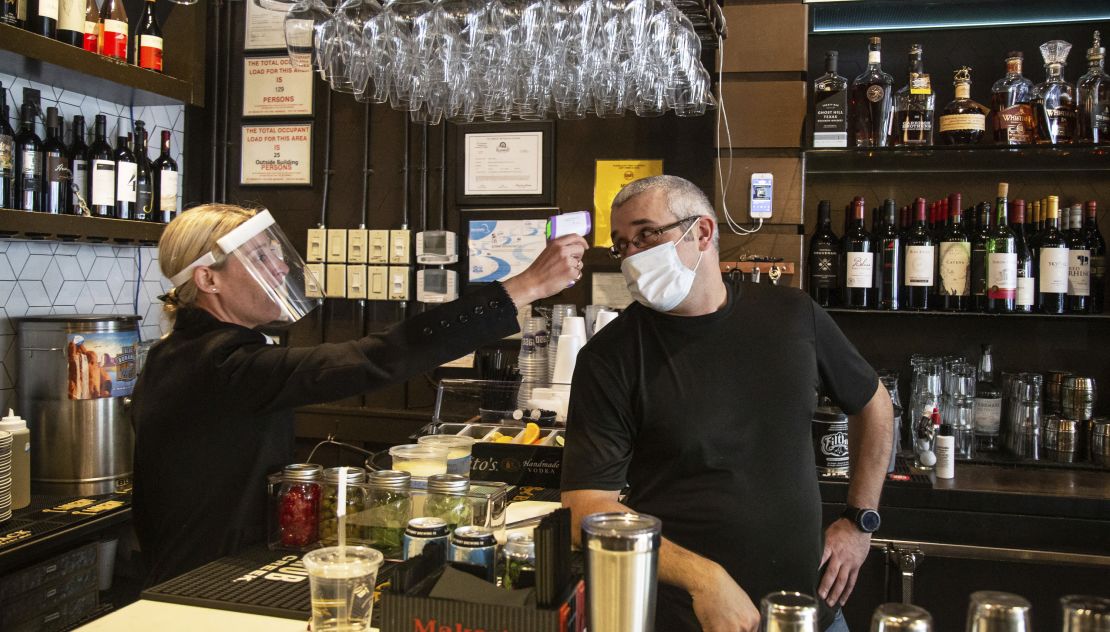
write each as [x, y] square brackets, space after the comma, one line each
[1092, 94]
[830, 106]
[1055, 98]
[126, 175]
[28, 162]
[55, 182]
[979, 258]
[164, 175]
[920, 250]
[858, 262]
[954, 262]
[1052, 263]
[914, 104]
[1098, 257]
[1011, 118]
[871, 114]
[79, 168]
[1001, 258]
[888, 250]
[824, 258]
[988, 405]
[1079, 264]
[963, 121]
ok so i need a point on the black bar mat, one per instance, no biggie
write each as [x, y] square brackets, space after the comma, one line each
[47, 514]
[902, 476]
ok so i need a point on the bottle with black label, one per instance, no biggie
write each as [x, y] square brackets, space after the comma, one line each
[1026, 297]
[102, 171]
[920, 252]
[79, 168]
[126, 175]
[164, 175]
[7, 154]
[1011, 118]
[1079, 264]
[28, 162]
[824, 252]
[979, 258]
[1001, 258]
[42, 17]
[889, 258]
[1055, 100]
[55, 186]
[148, 40]
[71, 22]
[871, 101]
[1092, 93]
[954, 259]
[144, 182]
[1098, 258]
[10, 12]
[914, 104]
[988, 405]
[830, 103]
[858, 261]
[1052, 263]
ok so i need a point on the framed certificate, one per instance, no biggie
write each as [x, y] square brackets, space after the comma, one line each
[272, 86]
[506, 163]
[276, 154]
[264, 29]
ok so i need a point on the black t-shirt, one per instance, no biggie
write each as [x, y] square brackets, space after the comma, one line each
[708, 421]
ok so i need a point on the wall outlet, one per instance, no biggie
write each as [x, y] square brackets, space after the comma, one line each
[356, 245]
[377, 278]
[398, 283]
[336, 285]
[378, 249]
[317, 240]
[399, 246]
[337, 245]
[356, 281]
[314, 280]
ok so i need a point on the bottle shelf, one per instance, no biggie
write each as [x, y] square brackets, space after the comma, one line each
[958, 159]
[31, 225]
[44, 60]
[932, 314]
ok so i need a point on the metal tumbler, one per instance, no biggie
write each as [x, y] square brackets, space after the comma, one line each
[1100, 441]
[788, 612]
[991, 611]
[901, 617]
[1084, 613]
[622, 559]
[1077, 397]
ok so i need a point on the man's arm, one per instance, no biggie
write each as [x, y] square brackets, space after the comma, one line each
[719, 603]
[870, 435]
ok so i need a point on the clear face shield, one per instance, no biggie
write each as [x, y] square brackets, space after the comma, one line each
[260, 248]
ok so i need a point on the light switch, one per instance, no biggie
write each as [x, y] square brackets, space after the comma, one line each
[378, 250]
[337, 245]
[356, 246]
[398, 283]
[314, 280]
[356, 281]
[377, 277]
[399, 246]
[316, 242]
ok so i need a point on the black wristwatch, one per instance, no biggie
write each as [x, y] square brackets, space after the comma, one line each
[866, 520]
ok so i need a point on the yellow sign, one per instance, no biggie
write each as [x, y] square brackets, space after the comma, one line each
[612, 176]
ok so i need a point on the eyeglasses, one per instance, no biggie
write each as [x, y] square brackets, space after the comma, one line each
[647, 238]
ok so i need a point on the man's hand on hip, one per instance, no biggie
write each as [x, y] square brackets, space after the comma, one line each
[722, 606]
[845, 551]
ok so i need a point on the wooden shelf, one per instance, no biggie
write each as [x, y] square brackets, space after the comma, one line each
[31, 225]
[932, 314]
[1084, 158]
[44, 60]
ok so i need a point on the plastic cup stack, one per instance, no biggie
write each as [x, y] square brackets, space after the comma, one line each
[558, 313]
[5, 475]
[532, 361]
[603, 319]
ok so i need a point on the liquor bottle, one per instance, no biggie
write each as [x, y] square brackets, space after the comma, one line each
[963, 121]
[1011, 120]
[55, 185]
[954, 262]
[102, 171]
[988, 404]
[914, 104]
[42, 17]
[1052, 263]
[1098, 258]
[148, 40]
[1092, 94]
[164, 174]
[1001, 258]
[858, 263]
[1079, 264]
[7, 155]
[979, 258]
[126, 174]
[79, 168]
[144, 187]
[871, 114]
[112, 38]
[1026, 297]
[830, 106]
[1055, 98]
[824, 246]
[10, 12]
[920, 252]
[71, 22]
[91, 41]
[28, 162]
[888, 251]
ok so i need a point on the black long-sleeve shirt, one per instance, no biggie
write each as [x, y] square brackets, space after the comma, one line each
[213, 415]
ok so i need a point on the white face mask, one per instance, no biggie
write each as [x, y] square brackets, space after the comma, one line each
[657, 278]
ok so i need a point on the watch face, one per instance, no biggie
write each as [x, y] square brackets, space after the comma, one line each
[869, 520]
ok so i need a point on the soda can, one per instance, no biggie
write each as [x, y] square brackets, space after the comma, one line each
[830, 442]
[474, 545]
[422, 531]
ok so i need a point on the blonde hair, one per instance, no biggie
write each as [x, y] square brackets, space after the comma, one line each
[187, 238]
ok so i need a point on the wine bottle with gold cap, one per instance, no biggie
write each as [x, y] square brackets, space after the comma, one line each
[1052, 262]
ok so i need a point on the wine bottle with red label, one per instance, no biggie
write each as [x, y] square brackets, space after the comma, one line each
[113, 29]
[148, 40]
[91, 41]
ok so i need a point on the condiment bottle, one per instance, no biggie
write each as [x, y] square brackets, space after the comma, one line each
[21, 458]
[946, 452]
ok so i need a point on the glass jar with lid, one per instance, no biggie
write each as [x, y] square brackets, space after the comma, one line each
[388, 510]
[519, 561]
[447, 499]
[353, 478]
[294, 499]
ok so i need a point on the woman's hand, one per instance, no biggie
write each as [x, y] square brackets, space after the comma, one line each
[556, 269]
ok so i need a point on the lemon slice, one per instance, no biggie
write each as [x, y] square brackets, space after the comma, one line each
[503, 439]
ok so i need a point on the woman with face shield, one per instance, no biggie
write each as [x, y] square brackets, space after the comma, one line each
[213, 407]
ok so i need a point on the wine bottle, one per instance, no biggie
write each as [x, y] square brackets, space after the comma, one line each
[148, 40]
[10, 12]
[42, 17]
[71, 22]
[144, 187]
[979, 258]
[1026, 297]
[1098, 258]
[28, 162]
[126, 174]
[955, 262]
[55, 186]
[102, 171]
[7, 154]
[871, 111]
[1052, 263]
[1079, 264]
[824, 245]
[79, 168]
[888, 250]
[1001, 258]
[920, 253]
[858, 261]
[91, 41]
[113, 29]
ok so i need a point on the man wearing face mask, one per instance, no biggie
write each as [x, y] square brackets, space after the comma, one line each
[700, 398]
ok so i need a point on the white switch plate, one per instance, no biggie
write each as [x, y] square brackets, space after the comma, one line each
[377, 278]
[317, 240]
[356, 281]
[378, 251]
[398, 283]
[399, 246]
[336, 285]
[356, 245]
[314, 280]
[337, 245]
